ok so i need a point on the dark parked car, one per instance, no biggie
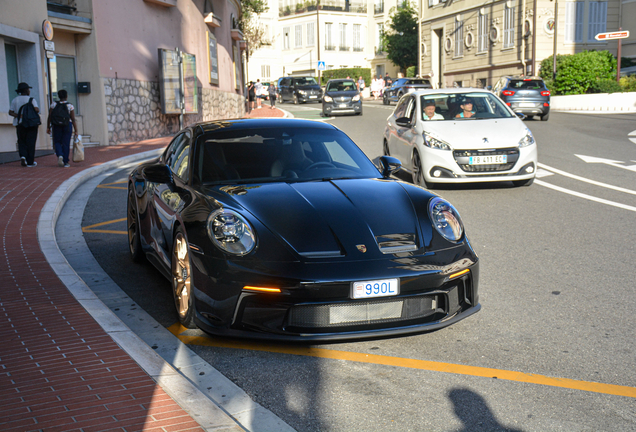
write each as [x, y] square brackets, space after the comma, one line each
[299, 89]
[284, 229]
[525, 95]
[402, 86]
[341, 97]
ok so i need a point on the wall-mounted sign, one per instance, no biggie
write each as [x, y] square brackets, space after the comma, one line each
[49, 45]
[548, 25]
[213, 59]
[173, 65]
[47, 30]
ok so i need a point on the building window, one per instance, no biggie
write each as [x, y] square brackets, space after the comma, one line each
[432, 3]
[378, 7]
[286, 38]
[509, 27]
[574, 21]
[482, 35]
[265, 72]
[343, 38]
[380, 37]
[311, 34]
[298, 36]
[357, 37]
[459, 37]
[11, 57]
[328, 42]
[597, 20]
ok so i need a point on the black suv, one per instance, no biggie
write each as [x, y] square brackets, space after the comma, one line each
[299, 90]
[402, 86]
[526, 95]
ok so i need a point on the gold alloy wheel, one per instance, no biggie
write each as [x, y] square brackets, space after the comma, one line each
[181, 276]
[132, 222]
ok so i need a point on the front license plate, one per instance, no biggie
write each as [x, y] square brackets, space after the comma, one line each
[526, 105]
[313, 97]
[488, 160]
[376, 288]
[342, 105]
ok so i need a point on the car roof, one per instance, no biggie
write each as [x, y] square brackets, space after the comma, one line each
[263, 123]
[451, 91]
[522, 77]
[341, 79]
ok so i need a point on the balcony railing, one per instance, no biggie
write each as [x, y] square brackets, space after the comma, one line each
[330, 48]
[357, 6]
[358, 49]
[344, 48]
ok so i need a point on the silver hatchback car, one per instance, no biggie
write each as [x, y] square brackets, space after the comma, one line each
[460, 136]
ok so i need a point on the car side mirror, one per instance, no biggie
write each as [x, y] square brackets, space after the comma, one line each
[390, 165]
[158, 173]
[403, 121]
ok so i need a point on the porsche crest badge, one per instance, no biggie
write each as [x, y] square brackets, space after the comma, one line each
[362, 248]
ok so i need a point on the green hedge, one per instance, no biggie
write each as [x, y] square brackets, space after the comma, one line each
[354, 73]
[584, 72]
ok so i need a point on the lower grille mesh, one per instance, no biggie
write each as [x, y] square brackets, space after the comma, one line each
[365, 312]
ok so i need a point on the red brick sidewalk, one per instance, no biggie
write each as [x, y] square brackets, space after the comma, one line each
[59, 370]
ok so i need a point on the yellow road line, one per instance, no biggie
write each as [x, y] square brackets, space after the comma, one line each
[611, 389]
[91, 228]
[110, 185]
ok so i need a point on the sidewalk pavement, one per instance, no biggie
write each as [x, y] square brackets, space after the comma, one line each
[59, 369]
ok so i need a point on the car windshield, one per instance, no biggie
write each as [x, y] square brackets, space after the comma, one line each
[526, 84]
[335, 86]
[463, 106]
[273, 155]
[306, 81]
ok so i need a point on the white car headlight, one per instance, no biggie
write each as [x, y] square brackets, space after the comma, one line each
[446, 219]
[230, 232]
[527, 140]
[327, 98]
[356, 98]
[436, 143]
[302, 92]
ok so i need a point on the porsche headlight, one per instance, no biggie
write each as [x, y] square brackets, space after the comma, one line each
[527, 140]
[230, 232]
[327, 98]
[356, 98]
[435, 143]
[446, 219]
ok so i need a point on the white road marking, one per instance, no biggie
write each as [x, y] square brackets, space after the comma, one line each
[632, 136]
[543, 173]
[610, 162]
[585, 196]
[583, 179]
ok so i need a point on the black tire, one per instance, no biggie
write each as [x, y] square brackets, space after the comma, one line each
[418, 175]
[545, 117]
[182, 279]
[385, 148]
[522, 183]
[132, 222]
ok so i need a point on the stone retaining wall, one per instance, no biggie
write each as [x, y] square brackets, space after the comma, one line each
[133, 110]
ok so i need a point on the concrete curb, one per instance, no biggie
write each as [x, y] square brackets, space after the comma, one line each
[208, 396]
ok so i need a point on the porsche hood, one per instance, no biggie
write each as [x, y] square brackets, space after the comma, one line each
[323, 219]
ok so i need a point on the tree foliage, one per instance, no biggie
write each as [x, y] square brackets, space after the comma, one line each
[253, 31]
[579, 73]
[400, 41]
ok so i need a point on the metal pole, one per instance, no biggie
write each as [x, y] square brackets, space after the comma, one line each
[318, 37]
[554, 50]
[618, 68]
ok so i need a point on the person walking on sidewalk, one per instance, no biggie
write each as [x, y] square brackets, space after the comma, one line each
[272, 95]
[251, 95]
[61, 122]
[27, 133]
[259, 92]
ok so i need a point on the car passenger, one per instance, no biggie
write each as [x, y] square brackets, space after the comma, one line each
[429, 111]
[467, 109]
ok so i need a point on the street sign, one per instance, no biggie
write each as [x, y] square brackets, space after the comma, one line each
[49, 45]
[612, 35]
[321, 65]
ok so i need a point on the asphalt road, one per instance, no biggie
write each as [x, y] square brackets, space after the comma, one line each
[552, 349]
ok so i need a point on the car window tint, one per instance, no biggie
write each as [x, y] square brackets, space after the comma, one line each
[526, 84]
[400, 108]
[410, 108]
[179, 156]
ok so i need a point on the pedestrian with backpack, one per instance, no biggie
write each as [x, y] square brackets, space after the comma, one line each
[61, 122]
[26, 119]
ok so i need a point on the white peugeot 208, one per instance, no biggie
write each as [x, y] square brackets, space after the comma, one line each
[460, 136]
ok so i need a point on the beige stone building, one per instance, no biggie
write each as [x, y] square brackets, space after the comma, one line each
[472, 43]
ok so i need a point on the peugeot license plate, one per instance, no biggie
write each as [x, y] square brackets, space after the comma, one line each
[488, 160]
[526, 105]
[376, 288]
